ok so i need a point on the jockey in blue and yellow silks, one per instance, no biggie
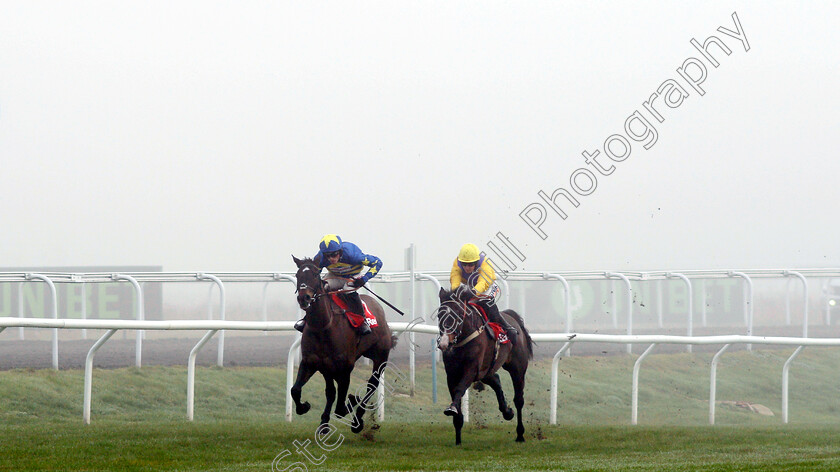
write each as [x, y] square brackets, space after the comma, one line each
[473, 269]
[345, 262]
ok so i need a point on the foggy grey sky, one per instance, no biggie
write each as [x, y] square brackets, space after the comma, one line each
[228, 135]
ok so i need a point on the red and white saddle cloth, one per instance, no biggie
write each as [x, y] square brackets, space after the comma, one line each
[498, 331]
[355, 319]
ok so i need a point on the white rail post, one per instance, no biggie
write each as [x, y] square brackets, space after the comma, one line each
[690, 303]
[21, 311]
[520, 294]
[411, 260]
[785, 371]
[51, 285]
[191, 372]
[84, 307]
[704, 299]
[220, 361]
[290, 377]
[465, 406]
[566, 301]
[787, 300]
[301, 314]
[713, 383]
[505, 283]
[791, 273]
[629, 304]
[89, 373]
[659, 311]
[380, 397]
[555, 366]
[265, 305]
[434, 345]
[634, 415]
[140, 314]
[566, 295]
[748, 303]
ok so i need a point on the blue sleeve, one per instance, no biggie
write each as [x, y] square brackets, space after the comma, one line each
[374, 264]
[356, 256]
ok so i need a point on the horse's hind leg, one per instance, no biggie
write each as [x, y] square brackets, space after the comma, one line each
[361, 405]
[343, 380]
[496, 384]
[329, 390]
[518, 378]
[304, 374]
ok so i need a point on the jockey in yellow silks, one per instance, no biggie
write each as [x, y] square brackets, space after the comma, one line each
[473, 269]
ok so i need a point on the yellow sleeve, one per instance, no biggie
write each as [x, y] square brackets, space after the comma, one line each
[486, 277]
[455, 276]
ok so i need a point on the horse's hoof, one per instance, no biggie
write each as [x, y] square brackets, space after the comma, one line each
[302, 408]
[508, 415]
[520, 439]
[450, 411]
[358, 426]
[341, 411]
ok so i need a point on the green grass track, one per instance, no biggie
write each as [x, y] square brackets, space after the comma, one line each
[138, 420]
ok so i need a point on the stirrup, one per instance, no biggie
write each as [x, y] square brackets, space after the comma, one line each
[300, 324]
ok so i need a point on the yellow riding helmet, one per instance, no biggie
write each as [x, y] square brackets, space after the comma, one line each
[469, 253]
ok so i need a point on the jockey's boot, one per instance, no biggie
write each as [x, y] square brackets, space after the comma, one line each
[300, 324]
[354, 303]
[496, 317]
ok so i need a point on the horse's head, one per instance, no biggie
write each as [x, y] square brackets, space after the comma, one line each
[451, 314]
[309, 283]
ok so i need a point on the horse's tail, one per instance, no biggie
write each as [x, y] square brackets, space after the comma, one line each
[529, 342]
[394, 340]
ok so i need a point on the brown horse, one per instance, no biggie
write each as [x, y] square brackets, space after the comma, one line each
[331, 346]
[470, 355]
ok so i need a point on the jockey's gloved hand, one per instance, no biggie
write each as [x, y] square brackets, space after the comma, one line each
[357, 283]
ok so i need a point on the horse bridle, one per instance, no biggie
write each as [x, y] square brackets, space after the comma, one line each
[317, 294]
[472, 335]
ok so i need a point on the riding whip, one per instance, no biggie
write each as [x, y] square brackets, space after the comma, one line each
[384, 301]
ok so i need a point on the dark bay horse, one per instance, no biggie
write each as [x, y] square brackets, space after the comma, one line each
[331, 346]
[470, 355]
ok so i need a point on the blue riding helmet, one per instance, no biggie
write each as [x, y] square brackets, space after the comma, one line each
[330, 243]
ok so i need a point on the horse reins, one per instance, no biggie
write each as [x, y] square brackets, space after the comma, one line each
[317, 295]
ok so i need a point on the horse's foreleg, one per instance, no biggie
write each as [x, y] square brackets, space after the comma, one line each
[496, 384]
[458, 422]
[457, 389]
[329, 390]
[304, 374]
